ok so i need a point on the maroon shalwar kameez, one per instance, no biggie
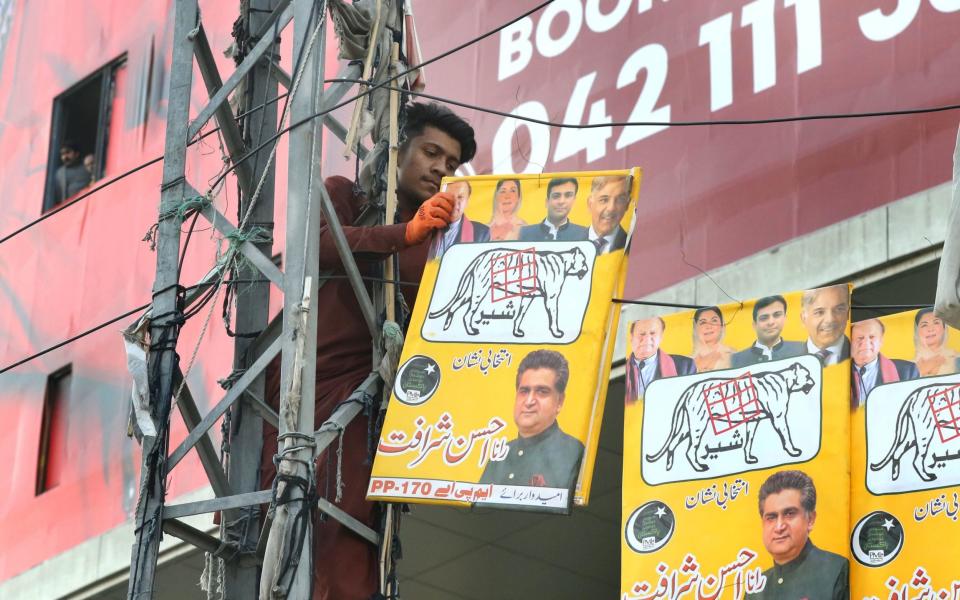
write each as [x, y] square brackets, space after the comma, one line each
[345, 565]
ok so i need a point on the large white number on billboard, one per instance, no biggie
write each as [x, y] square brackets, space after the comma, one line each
[879, 27]
[758, 15]
[809, 38]
[946, 5]
[594, 141]
[502, 149]
[655, 60]
[716, 35]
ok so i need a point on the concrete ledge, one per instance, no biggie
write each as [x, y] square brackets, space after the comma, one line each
[861, 249]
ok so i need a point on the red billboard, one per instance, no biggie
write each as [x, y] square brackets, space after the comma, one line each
[711, 194]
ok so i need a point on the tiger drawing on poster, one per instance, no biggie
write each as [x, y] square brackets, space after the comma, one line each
[926, 416]
[503, 273]
[709, 403]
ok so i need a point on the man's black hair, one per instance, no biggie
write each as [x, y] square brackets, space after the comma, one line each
[790, 480]
[562, 181]
[547, 359]
[767, 301]
[70, 145]
[420, 114]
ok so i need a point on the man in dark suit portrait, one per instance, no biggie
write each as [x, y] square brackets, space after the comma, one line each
[824, 312]
[542, 455]
[608, 201]
[647, 362]
[769, 317]
[870, 368]
[788, 513]
[561, 194]
[461, 229]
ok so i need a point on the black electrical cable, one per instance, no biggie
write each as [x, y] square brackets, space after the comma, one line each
[191, 311]
[709, 122]
[383, 84]
[697, 306]
[74, 338]
[126, 174]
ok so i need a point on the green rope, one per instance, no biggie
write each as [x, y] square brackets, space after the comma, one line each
[232, 258]
[180, 212]
[195, 203]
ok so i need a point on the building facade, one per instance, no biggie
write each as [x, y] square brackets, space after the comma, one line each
[727, 210]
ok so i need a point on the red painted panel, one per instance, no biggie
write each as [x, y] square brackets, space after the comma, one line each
[714, 194]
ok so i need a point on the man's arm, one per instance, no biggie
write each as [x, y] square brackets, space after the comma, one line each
[376, 240]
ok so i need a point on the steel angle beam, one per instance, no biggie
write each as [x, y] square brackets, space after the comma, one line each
[266, 413]
[177, 511]
[283, 78]
[349, 264]
[338, 89]
[143, 560]
[337, 129]
[237, 76]
[232, 136]
[263, 263]
[191, 535]
[205, 448]
[232, 395]
[345, 413]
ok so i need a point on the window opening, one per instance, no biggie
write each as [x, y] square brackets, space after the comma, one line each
[79, 134]
[52, 458]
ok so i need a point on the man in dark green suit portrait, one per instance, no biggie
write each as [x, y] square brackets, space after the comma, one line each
[542, 455]
[788, 511]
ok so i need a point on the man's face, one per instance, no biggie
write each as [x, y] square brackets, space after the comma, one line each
[607, 206]
[560, 201]
[769, 323]
[865, 341]
[423, 162]
[826, 317]
[69, 156]
[461, 194]
[88, 163]
[538, 402]
[645, 339]
[786, 525]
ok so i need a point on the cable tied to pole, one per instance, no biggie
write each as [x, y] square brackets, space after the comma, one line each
[180, 212]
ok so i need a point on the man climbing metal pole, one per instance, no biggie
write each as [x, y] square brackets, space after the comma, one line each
[433, 143]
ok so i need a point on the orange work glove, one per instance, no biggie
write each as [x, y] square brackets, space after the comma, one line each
[433, 214]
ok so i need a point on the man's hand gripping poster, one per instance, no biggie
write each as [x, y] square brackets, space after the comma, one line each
[736, 446]
[501, 386]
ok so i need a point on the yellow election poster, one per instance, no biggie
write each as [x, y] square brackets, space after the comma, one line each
[500, 390]
[735, 455]
[905, 455]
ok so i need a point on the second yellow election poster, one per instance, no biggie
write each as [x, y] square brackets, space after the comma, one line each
[736, 446]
